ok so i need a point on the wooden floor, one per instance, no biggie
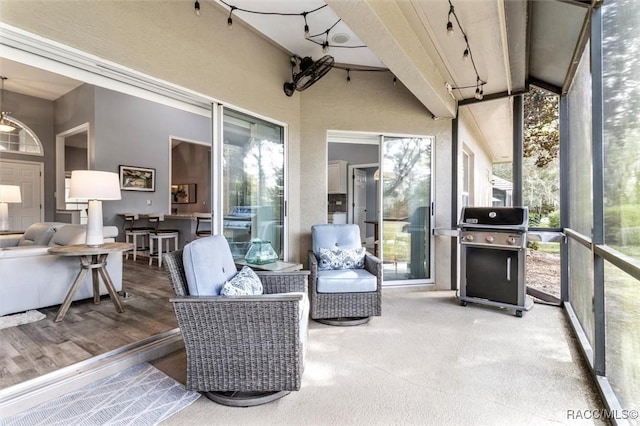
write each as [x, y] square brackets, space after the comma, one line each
[31, 350]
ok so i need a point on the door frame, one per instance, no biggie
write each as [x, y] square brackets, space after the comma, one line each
[350, 188]
[41, 179]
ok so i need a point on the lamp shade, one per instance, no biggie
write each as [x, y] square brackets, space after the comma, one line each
[10, 194]
[94, 185]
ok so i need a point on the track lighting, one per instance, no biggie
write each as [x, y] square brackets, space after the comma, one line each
[465, 55]
[348, 76]
[395, 80]
[449, 24]
[449, 28]
[325, 47]
[196, 6]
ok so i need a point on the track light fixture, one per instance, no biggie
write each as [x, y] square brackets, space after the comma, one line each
[467, 54]
[348, 76]
[196, 6]
[395, 80]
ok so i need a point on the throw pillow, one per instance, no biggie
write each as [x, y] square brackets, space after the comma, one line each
[341, 259]
[244, 283]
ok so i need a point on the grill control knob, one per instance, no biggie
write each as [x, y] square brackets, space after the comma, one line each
[468, 237]
[489, 239]
[511, 240]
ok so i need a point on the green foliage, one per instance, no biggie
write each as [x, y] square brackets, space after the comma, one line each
[622, 225]
[554, 219]
[541, 130]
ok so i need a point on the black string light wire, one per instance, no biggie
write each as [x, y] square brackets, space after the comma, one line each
[323, 36]
[467, 54]
[324, 43]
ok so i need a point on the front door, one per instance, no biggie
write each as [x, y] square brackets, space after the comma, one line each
[28, 176]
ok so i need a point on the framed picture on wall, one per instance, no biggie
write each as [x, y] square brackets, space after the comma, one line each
[183, 193]
[137, 179]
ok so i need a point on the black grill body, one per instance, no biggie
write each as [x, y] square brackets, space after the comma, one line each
[493, 257]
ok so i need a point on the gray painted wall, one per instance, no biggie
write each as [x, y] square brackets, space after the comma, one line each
[37, 114]
[136, 132]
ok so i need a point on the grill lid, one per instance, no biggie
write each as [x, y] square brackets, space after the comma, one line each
[512, 217]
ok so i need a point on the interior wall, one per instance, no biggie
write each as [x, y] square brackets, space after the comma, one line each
[371, 103]
[38, 115]
[135, 132]
[166, 40]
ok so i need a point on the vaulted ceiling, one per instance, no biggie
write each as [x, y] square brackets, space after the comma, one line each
[512, 42]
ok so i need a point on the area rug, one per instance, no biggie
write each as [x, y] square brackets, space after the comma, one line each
[140, 395]
[7, 321]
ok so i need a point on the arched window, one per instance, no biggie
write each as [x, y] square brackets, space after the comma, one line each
[21, 140]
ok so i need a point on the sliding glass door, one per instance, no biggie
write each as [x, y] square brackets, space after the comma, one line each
[405, 172]
[252, 182]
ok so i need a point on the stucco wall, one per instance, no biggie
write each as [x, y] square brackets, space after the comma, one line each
[371, 103]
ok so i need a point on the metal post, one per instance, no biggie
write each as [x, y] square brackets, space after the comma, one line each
[518, 119]
[565, 206]
[598, 189]
[454, 200]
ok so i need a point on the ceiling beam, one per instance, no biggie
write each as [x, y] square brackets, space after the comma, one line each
[382, 26]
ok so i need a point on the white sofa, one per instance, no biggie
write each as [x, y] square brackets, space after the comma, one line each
[31, 278]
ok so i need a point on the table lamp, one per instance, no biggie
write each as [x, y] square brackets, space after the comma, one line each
[8, 194]
[94, 186]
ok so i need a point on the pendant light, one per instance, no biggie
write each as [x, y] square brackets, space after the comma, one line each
[5, 125]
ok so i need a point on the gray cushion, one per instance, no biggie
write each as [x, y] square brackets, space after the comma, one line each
[69, 235]
[341, 259]
[208, 264]
[244, 283]
[346, 281]
[333, 237]
[39, 234]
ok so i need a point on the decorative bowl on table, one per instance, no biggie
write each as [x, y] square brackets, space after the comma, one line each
[260, 253]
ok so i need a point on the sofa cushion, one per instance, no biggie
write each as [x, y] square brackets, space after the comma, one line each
[69, 235]
[346, 281]
[341, 259]
[39, 234]
[244, 283]
[208, 264]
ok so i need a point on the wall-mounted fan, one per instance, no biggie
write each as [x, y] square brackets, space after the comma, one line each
[308, 72]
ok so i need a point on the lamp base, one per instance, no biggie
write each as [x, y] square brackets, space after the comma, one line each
[95, 236]
[4, 217]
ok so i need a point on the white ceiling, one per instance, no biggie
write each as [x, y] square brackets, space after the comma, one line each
[35, 82]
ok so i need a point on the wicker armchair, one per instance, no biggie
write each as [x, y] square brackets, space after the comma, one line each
[243, 350]
[341, 299]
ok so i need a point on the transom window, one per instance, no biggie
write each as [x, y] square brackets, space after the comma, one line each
[21, 140]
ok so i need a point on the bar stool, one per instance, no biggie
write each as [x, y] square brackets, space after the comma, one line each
[200, 219]
[157, 236]
[132, 233]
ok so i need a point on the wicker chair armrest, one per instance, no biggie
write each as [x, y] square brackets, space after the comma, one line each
[283, 282]
[313, 276]
[374, 266]
[282, 297]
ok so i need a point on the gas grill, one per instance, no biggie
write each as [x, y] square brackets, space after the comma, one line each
[493, 257]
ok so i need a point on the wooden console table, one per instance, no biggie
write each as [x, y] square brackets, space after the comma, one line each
[94, 258]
